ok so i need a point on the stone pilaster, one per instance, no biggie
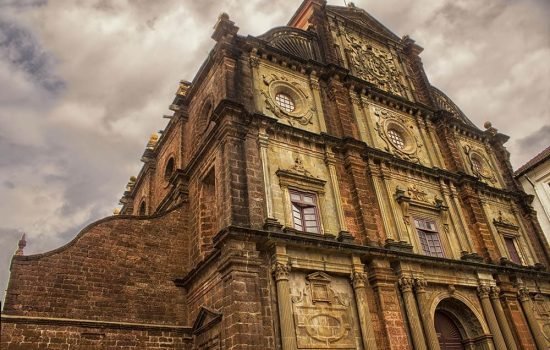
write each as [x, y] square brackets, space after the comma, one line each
[281, 273]
[425, 314]
[359, 281]
[406, 286]
[331, 164]
[501, 318]
[527, 306]
[498, 340]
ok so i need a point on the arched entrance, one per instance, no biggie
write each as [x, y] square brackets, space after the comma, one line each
[458, 328]
[448, 333]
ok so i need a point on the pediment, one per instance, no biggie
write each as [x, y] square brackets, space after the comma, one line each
[361, 17]
[206, 319]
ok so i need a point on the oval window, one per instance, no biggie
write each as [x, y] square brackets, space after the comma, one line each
[285, 102]
[396, 138]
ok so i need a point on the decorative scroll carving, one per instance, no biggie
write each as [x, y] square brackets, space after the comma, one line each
[387, 120]
[322, 316]
[503, 221]
[294, 41]
[406, 284]
[483, 291]
[523, 294]
[375, 65]
[281, 271]
[479, 166]
[359, 279]
[494, 292]
[443, 102]
[417, 194]
[303, 110]
[420, 285]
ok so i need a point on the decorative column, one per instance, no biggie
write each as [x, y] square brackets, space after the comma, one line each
[331, 164]
[288, 337]
[263, 142]
[406, 286]
[498, 340]
[501, 318]
[527, 306]
[425, 315]
[359, 280]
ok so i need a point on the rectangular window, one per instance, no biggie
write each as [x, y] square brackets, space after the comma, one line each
[304, 212]
[512, 251]
[429, 237]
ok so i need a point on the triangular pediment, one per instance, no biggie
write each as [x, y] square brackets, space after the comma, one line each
[319, 277]
[362, 18]
[206, 319]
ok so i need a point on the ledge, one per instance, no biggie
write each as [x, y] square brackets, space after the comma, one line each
[184, 330]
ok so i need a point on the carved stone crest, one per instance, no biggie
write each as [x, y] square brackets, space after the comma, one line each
[280, 84]
[389, 123]
[375, 65]
[479, 165]
[322, 315]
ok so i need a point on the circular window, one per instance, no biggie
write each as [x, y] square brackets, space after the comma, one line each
[476, 166]
[396, 138]
[285, 102]
[169, 170]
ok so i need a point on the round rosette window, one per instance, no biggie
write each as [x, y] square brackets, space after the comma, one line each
[400, 138]
[479, 166]
[290, 102]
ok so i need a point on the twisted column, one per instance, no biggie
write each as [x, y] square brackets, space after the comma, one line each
[281, 272]
[501, 318]
[498, 340]
[406, 286]
[525, 300]
[425, 315]
[359, 281]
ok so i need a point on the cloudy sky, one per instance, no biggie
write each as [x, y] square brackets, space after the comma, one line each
[83, 83]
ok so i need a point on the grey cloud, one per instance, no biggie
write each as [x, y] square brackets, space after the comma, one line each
[22, 49]
[9, 184]
[532, 144]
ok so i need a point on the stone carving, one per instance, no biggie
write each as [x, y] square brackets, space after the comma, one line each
[502, 220]
[494, 292]
[281, 271]
[483, 291]
[417, 194]
[387, 120]
[359, 279]
[322, 315]
[299, 168]
[420, 285]
[479, 165]
[375, 65]
[523, 294]
[406, 284]
[275, 84]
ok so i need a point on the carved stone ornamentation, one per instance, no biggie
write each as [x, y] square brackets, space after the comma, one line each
[420, 285]
[523, 294]
[483, 291]
[303, 110]
[359, 279]
[281, 271]
[406, 284]
[390, 123]
[375, 65]
[322, 315]
[479, 165]
[494, 292]
[417, 194]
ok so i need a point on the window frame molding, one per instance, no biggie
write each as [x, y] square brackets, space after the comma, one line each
[300, 180]
[509, 230]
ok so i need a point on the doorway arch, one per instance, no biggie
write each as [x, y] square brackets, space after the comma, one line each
[448, 333]
[458, 328]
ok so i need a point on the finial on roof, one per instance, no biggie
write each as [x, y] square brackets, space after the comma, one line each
[116, 211]
[153, 141]
[21, 245]
[224, 28]
[489, 128]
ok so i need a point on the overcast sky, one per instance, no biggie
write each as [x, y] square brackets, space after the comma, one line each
[83, 83]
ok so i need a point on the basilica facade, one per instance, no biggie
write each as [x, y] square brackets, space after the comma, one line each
[312, 190]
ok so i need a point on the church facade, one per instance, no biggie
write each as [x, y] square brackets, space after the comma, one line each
[312, 190]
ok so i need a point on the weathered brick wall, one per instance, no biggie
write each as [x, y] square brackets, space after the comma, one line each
[117, 269]
[30, 336]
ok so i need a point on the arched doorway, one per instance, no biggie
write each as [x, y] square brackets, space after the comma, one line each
[448, 333]
[458, 327]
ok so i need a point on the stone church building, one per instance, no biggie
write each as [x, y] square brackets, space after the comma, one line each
[312, 190]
